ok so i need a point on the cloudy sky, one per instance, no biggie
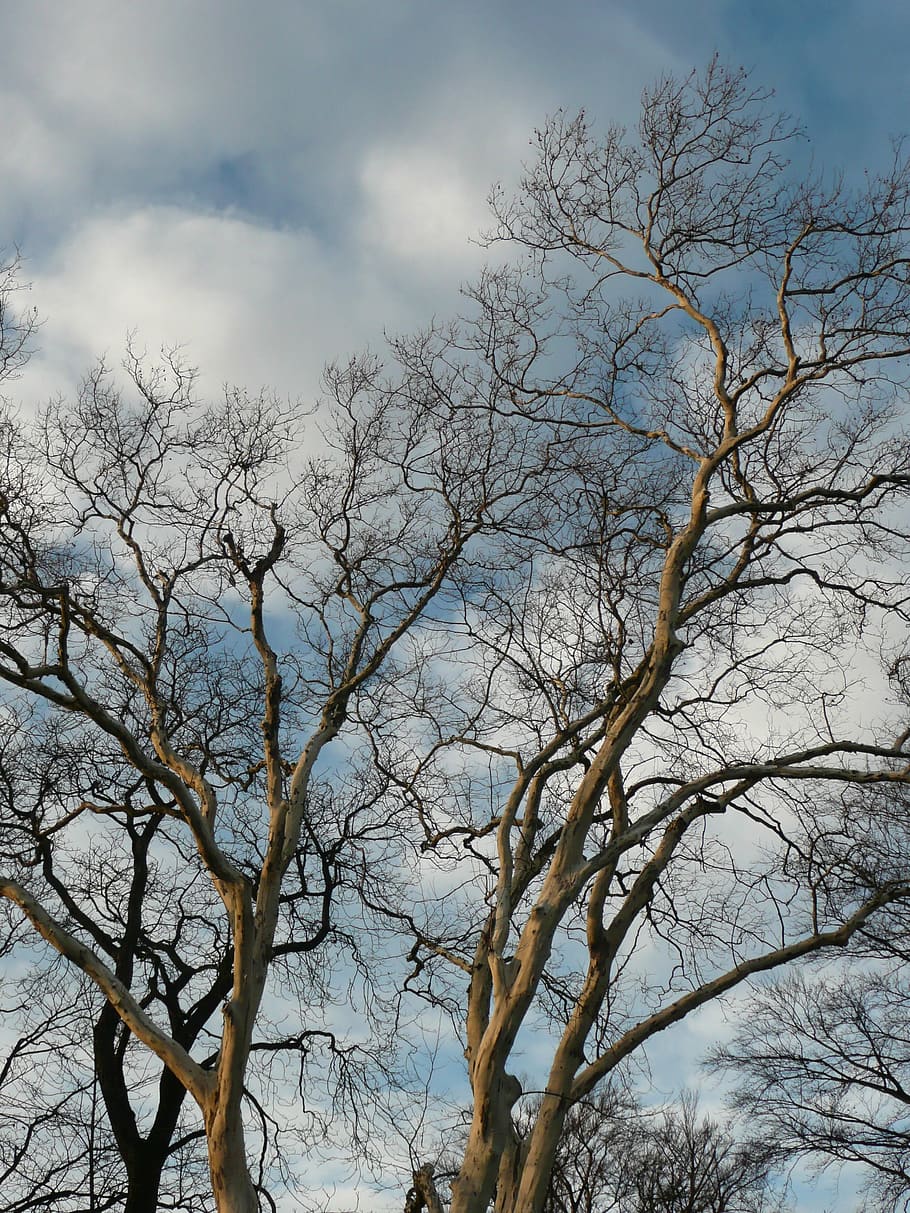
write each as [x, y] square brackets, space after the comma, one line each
[274, 185]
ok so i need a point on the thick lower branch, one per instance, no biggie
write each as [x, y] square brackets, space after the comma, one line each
[666, 1016]
[174, 1056]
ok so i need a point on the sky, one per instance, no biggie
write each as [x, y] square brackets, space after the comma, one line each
[274, 186]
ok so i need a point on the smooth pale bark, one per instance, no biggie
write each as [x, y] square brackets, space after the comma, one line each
[489, 1139]
[534, 1181]
[509, 1176]
[223, 1108]
[231, 1184]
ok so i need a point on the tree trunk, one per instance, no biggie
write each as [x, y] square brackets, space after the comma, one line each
[423, 1194]
[490, 1136]
[231, 1183]
[509, 1176]
[143, 1184]
[533, 1182]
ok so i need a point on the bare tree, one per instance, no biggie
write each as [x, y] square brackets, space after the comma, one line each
[646, 763]
[822, 1066]
[821, 1059]
[87, 1114]
[616, 1157]
[551, 634]
[169, 832]
[72, 1105]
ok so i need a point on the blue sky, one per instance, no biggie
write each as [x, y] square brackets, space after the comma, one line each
[272, 186]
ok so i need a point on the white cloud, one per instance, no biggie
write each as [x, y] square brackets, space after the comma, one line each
[250, 304]
[420, 206]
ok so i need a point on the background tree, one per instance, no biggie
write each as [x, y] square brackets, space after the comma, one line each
[822, 1066]
[617, 1157]
[66, 1143]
